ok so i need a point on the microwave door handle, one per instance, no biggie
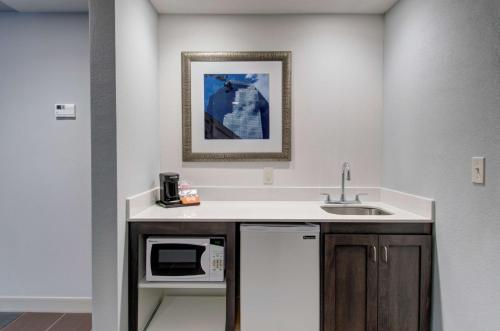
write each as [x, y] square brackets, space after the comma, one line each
[205, 261]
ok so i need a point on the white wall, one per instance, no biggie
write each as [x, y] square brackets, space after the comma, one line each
[45, 241]
[336, 98]
[442, 106]
[137, 114]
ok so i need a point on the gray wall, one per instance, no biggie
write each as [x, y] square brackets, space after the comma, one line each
[137, 118]
[337, 74]
[125, 141]
[442, 106]
[104, 165]
[45, 231]
[5, 8]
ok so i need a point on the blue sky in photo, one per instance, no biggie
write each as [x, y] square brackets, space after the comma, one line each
[212, 84]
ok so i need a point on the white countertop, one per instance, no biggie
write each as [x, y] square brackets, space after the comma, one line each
[270, 211]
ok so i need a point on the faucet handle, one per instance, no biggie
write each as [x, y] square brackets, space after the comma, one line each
[327, 199]
[358, 195]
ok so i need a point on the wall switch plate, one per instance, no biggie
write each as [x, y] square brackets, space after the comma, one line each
[268, 176]
[478, 170]
[67, 110]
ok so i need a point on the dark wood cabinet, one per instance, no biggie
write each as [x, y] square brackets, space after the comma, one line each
[404, 278]
[350, 275]
[376, 282]
[140, 230]
[376, 276]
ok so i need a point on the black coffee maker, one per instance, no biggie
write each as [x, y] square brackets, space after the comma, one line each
[169, 188]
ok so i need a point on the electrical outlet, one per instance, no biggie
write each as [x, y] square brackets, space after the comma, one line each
[268, 176]
[478, 170]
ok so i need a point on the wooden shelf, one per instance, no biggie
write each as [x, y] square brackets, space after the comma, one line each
[182, 285]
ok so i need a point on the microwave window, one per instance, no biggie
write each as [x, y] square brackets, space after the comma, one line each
[177, 256]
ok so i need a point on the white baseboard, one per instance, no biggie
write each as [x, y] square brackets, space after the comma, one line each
[46, 304]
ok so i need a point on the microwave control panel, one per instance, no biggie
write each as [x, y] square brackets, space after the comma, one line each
[217, 265]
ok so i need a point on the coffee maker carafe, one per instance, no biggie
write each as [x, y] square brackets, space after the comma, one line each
[169, 188]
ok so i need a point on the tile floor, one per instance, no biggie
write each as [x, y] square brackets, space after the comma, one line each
[45, 322]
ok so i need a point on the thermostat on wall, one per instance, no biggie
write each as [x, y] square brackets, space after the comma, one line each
[67, 110]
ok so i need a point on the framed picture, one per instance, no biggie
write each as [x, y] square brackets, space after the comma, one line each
[236, 106]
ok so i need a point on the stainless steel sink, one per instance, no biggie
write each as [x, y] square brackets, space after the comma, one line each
[355, 210]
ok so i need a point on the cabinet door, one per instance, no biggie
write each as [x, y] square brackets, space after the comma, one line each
[404, 283]
[350, 283]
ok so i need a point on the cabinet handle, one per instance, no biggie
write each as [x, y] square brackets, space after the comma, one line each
[374, 255]
[385, 256]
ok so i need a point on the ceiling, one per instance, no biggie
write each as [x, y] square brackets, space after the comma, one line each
[218, 6]
[273, 6]
[42, 6]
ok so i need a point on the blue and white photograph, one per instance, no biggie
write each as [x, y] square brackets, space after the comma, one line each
[236, 106]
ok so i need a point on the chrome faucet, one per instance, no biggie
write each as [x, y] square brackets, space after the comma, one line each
[346, 175]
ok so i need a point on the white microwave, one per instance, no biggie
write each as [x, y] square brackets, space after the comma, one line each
[185, 259]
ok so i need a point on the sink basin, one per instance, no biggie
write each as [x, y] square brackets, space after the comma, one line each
[355, 210]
